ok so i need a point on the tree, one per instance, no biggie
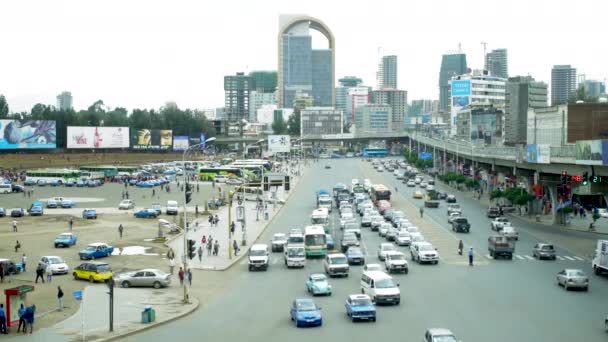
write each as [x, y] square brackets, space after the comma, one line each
[3, 107]
[294, 122]
[279, 126]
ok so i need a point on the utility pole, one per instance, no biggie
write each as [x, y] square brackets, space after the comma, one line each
[111, 293]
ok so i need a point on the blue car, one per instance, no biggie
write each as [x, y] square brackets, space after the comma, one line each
[95, 250]
[42, 182]
[29, 182]
[2, 212]
[91, 184]
[66, 203]
[145, 185]
[56, 182]
[65, 240]
[146, 213]
[80, 184]
[317, 284]
[304, 312]
[329, 240]
[17, 212]
[70, 183]
[359, 307]
[51, 203]
[355, 256]
[89, 214]
[36, 209]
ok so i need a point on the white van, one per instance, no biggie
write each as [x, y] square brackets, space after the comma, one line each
[258, 257]
[380, 287]
[6, 189]
[172, 208]
[295, 256]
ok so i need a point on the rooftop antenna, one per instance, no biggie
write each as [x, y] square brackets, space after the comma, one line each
[459, 47]
[484, 55]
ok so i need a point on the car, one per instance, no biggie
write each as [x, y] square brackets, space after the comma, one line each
[52, 204]
[430, 188]
[443, 196]
[70, 183]
[29, 182]
[391, 234]
[452, 216]
[144, 278]
[384, 248]
[353, 227]
[355, 256]
[220, 178]
[460, 224]
[95, 250]
[234, 181]
[603, 212]
[66, 203]
[146, 213]
[366, 221]
[509, 232]
[65, 240]
[360, 307]
[499, 222]
[172, 208]
[158, 208]
[380, 169]
[2, 212]
[450, 199]
[418, 194]
[126, 204]
[394, 261]
[294, 256]
[329, 240]
[423, 185]
[493, 212]
[543, 250]
[89, 214]
[348, 240]
[573, 278]
[327, 167]
[377, 221]
[36, 209]
[278, 242]
[403, 238]
[304, 312]
[17, 212]
[439, 335]
[403, 223]
[336, 264]
[42, 182]
[372, 267]
[410, 183]
[10, 267]
[93, 271]
[58, 265]
[318, 284]
[258, 257]
[453, 208]
[423, 252]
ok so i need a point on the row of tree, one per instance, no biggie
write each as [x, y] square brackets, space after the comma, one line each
[182, 121]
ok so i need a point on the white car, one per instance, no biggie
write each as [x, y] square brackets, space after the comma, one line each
[384, 248]
[423, 184]
[411, 183]
[278, 242]
[383, 229]
[509, 232]
[395, 262]
[126, 204]
[412, 229]
[220, 178]
[372, 267]
[416, 237]
[58, 265]
[417, 180]
[403, 238]
[499, 222]
[391, 234]
[377, 220]
[424, 252]
[452, 216]
[430, 187]
[380, 169]
[603, 212]
[366, 221]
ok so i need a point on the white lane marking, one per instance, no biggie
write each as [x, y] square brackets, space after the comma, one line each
[529, 257]
[569, 258]
[579, 258]
[519, 257]
[559, 257]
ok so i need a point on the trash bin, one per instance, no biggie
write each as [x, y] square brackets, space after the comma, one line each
[152, 315]
[147, 316]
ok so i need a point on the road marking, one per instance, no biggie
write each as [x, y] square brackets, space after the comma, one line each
[579, 258]
[529, 257]
[569, 258]
[559, 257]
[519, 257]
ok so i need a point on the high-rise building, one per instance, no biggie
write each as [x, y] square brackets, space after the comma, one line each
[451, 65]
[497, 63]
[346, 83]
[563, 83]
[257, 99]
[374, 118]
[237, 89]
[593, 88]
[523, 93]
[387, 72]
[419, 107]
[318, 121]
[302, 68]
[397, 99]
[64, 101]
[357, 96]
[302, 101]
[263, 81]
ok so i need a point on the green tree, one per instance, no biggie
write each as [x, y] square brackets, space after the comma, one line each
[294, 122]
[279, 126]
[3, 107]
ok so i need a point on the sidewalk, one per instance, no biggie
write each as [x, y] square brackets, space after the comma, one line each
[255, 225]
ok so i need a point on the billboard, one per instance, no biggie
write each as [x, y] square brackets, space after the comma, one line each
[15, 134]
[460, 95]
[181, 142]
[97, 137]
[426, 156]
[151, 139]
[461, 88]
[279, 143]
[589, 152]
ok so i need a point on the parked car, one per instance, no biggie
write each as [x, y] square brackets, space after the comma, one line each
[543, 250]
[65, 240]
[304, 312]
[67, 203]
[146, 213]
[96, 250]
[157, 207]
[126, 204]
[51, 204]
[318, 284]
[360, 307]
[89, 214]
[2, 212]
[93, 271]
[573, 278]
[17, 212]
[355, 256]
[145, 278]
[36, 209]
[58, 265]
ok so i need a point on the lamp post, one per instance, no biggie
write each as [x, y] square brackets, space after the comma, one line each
[185, 249]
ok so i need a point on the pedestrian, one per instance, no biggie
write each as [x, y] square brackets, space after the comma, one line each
[153, 192]
[204, 240]
[71, 223]
[470, 256]
[232, 227]
[180, 274]
[210, 220]
[197, 188]
[209, 247]
[213, 183]
[421, 212]
[216, 248]
[200, 253]
[14, 226]
[2, 320]
[17, 246]
[235, 246]
[40, 272]
[21, 313]
[171, 265]
[120, 229]
[29, 317]
[189, 275]
[216, 220]
[196, 210]
[60, 297]
[49, 273]
[23, 261]
[127, 194]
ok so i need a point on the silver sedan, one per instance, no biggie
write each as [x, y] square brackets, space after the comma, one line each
[147, 278]
[573, 278]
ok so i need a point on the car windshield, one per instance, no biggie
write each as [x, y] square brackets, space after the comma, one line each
[306, 306]
[296, 239]
[404, 234]
[314, 240]
[362, 301]
[295, 252]
[548, 247]
[397, 257]
[278, 238]
[412, 229]
[426, 248]
[388, 248]
[103, 268]
[319, 279]
[318, 220]
[351, 226]
[385, 283]
[460, 220]
[91, 248]
[576, 273]
[337, 260]
[64, 236]
[257, 252]
[444, 338]
[55, 260]
[350, 238]
[356, 251]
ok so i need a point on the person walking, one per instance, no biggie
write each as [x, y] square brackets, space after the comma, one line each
[21, 313]
[196, 210]
[199, 251]
[40, 273]
[197, 188]
[71, 222]
[232, 227]
[210, 220]
[2, 320]
[49, 273]
[216, 248]
[29, 317]
[470, 256]
[189, 275]
[209, 247]
[14, 226]
[180, 274]
[421, 212]
[120, 230]
[460, 247]
[171, 265]
[216, 220]
[204, 240]
[17, 246]
[235, 246]
[23, 261]
[60, 298]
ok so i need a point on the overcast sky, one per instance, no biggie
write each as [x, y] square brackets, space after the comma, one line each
[140, 54]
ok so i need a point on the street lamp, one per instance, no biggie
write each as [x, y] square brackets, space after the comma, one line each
[185, 249]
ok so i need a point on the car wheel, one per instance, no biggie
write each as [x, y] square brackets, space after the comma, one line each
[75, 276]
[157, 285]
[91, 279]
[406, 271]
[362, 292]
[565, 286]
[374, 319]
[56, 246]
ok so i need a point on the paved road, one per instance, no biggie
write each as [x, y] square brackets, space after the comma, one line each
[500, 300]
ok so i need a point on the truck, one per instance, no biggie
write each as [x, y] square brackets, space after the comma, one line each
[600, 259]
[324, 200]
[432, 199]
[461, 224]
[499, 245]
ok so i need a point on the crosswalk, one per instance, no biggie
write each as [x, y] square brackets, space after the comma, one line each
[531, 258]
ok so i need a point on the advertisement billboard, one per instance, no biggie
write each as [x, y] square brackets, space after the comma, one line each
[279, 143]
[544, 154]
[15, 134]
[588, 152]
[151, 139]
[181, 143]
[461, 88]
[532, 153]
[97, 137]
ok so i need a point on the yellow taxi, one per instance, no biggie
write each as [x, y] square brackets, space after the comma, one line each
[418, 194]
[93, 271]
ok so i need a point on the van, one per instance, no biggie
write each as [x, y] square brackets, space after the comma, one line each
[172, 208]
[381, 287]
[258, 257]
[6, 188]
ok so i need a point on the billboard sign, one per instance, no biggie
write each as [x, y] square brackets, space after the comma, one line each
[181, 143]
[461, 88]
[532, 153]
[426, 156]
[97, 137]
[27, 134]
[279, 143]
[544, 154]
[151, 139]
[589, 152]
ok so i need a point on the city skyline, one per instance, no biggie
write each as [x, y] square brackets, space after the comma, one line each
[166, 52]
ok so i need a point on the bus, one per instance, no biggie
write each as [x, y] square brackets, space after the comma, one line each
[107, 170]
[315, 242]
[209, 173]
[267, 164]
[254, 169]
[380, 192]
[51, 175]
[320, 217]
[127, 169]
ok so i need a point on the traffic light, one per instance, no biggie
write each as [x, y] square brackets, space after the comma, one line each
[585, 178]
[188, 193]
[191, 249]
